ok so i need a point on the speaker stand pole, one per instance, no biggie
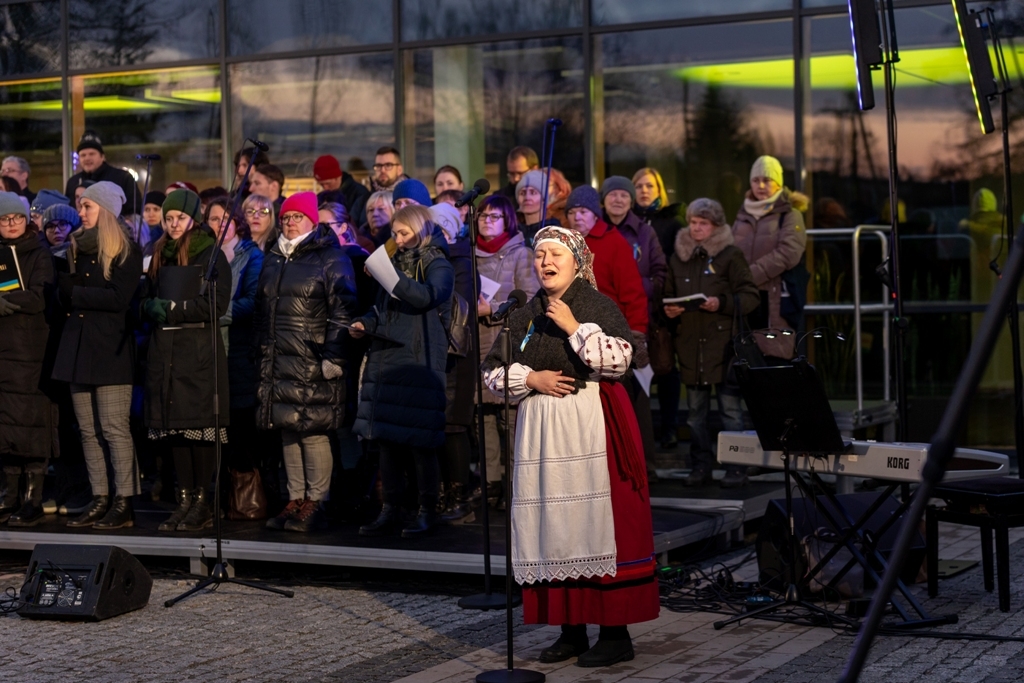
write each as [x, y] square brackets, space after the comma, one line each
[220, 575]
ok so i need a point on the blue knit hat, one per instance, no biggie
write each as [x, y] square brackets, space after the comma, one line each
[584, 196]
[410, 188]
[47, 198]
[62, 212]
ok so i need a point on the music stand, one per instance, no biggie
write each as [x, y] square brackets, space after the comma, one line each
[791, 413]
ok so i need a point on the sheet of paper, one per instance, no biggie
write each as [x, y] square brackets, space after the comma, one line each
[382, 270]
[644, 375]
[488, 288]
[146, 260]
[684, 299]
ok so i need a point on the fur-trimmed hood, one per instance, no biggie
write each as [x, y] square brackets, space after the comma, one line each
[719, 239]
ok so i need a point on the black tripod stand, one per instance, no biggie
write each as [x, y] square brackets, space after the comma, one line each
[219, 574]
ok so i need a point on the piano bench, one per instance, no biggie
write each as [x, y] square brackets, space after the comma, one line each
[992, 505]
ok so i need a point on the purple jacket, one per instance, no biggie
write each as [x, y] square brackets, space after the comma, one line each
[647, 251]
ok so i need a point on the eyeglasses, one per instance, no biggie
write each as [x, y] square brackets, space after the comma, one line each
[252, 213]
[13, 219]
[385, 167]
[291, 218]
[56, 225]
[491, 217]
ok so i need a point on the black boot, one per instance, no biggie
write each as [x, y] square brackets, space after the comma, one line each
[387, 522]
[9, 504]
[426, 520]
[94, 513]
[31, 512]
[458, 510]
[735, 477]
[613, 646]
[200, 515]
[572, 643]
[184, 503]
[310, 517]
[119, 516]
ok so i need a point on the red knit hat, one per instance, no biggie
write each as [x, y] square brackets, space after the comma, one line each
[183, 185]
[326, 168]
[304, 203]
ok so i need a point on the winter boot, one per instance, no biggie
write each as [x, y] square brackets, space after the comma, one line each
[31, 512]
[119, 516]
[184, 503]
[200, 515]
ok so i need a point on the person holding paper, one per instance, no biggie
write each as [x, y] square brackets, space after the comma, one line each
[179, 388]
[705, 261]
[502, 258]
[26, 415]
[306, 294]
[402, 402]
[97, 351]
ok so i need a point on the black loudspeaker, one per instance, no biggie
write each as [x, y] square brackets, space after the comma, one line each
[83, 583]
[773, 537]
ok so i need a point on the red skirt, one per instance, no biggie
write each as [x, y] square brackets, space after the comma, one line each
[631, 596]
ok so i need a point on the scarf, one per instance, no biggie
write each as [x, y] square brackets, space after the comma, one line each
[496, 243]
[415, 260]
[652, 207]
[86, 241]
[759, 209]
[575, 243]
[287, 246]
[199, 242]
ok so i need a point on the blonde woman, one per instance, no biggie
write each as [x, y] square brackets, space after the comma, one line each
[261, 218]
[97, 351]
[402, 402]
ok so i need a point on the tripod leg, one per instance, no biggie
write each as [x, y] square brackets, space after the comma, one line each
[269, 589]
[199, 586]
[750, 614]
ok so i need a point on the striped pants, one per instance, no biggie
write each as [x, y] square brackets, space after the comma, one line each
[102, 413]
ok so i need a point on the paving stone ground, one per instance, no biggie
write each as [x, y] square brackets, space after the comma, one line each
[346, 634]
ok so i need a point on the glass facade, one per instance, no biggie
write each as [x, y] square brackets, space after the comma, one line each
[695, 89]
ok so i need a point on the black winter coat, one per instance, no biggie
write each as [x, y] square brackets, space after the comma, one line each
[403, 393]
[179, 365]
[356, 195]
[133, 198]
[242, 372]
[97, 346]
[666, 222]
[460, 389]
[301, 303]
[26, 414]
[715, 268]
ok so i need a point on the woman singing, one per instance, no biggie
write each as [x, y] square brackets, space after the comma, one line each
[582, 544]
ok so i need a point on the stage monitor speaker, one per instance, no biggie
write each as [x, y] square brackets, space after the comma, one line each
[83, 583]
[772, 543]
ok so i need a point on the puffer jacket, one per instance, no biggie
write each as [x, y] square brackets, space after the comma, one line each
[246, 267]
[772, 245]
[512, 268]
[714, 268]
[301, 303]
[26, 414]
[179, 386]
[403, 392]
[460, 390]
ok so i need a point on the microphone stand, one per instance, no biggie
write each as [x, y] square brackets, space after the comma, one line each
[486, 600]
[509, 674]
[548, 158]
[220, 575]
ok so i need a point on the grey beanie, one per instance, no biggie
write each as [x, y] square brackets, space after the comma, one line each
[534, 179]
[617, 182]
[584, 196]
[12, 203]
[706, 208]
[107, 194]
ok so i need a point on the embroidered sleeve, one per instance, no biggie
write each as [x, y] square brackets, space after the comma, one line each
[606, 356]
[495, 381]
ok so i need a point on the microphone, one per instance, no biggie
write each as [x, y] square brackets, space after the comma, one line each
[479, 187]
[262, 146]
[515, 300]
[148, 157]
[554, 123]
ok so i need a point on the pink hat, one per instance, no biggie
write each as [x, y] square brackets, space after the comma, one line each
[304, 203]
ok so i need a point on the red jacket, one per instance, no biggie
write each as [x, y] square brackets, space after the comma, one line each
[617, 274]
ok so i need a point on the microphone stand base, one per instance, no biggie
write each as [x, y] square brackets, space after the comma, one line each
[220, 576]
[511, 676]
[488, 601]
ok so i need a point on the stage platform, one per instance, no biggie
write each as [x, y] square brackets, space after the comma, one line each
[455, 549]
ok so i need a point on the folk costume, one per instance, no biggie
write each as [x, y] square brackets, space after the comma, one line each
[582, 543]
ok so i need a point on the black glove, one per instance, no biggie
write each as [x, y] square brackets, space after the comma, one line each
[640, 357]
[6, 307]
